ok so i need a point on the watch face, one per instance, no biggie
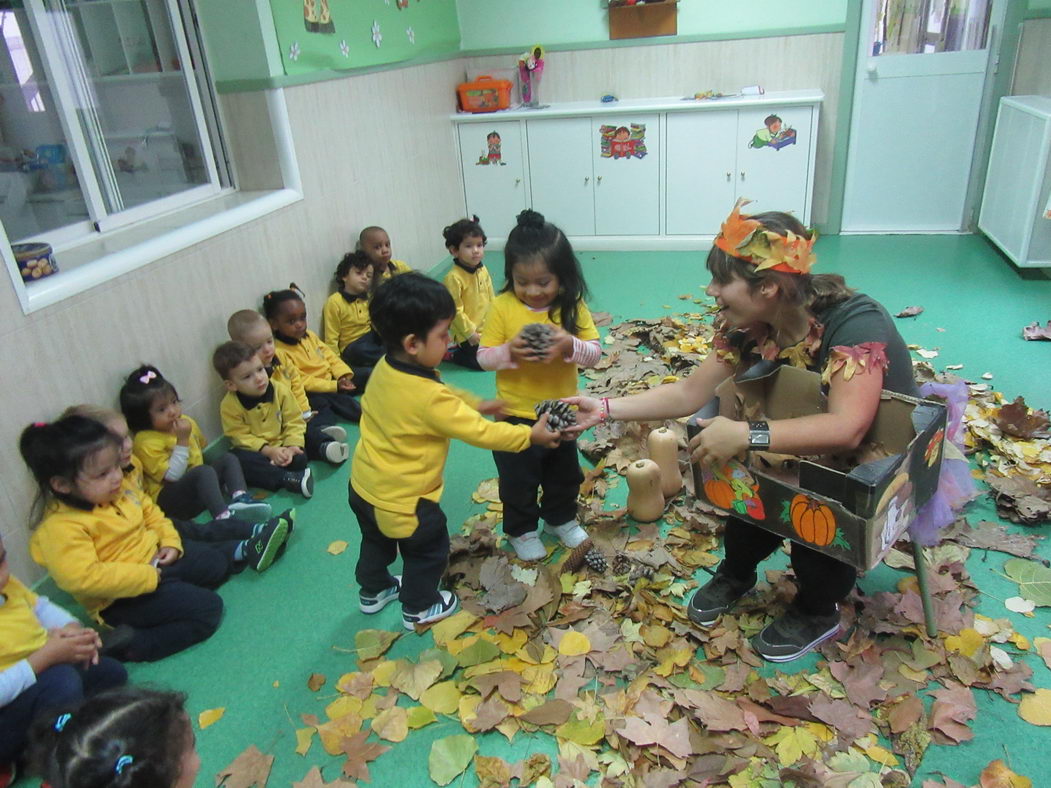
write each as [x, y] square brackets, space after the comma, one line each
[759, 438]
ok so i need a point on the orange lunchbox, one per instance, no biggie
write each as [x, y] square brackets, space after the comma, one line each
[485, 94]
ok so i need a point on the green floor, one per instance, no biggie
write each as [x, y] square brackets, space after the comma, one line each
[283, 626]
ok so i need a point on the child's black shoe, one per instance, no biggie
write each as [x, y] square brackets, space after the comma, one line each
[261, 549]
[299, 481]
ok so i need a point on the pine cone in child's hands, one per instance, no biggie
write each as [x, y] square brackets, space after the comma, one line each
[560, 416]
[538, 337]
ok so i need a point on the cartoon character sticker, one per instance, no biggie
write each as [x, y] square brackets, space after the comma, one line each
[316, 17]
[622, 142]
[492, 153]
[733, 488]
[776, 135]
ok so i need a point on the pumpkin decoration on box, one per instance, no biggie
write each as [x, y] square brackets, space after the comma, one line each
[734, 489]
[813, 521]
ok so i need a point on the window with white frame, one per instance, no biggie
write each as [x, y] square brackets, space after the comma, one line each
[106, 117]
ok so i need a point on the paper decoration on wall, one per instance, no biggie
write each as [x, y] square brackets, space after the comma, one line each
[411, 34]
[377, 36]
[344, 48]
[622, 142]
[776, 135]
[492, 153]
[316, 17]
[293, 51]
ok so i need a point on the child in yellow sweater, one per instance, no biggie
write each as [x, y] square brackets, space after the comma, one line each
[471, 287]
[375, 243]
[347, 328]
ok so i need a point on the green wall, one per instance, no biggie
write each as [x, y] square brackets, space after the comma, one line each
[484, 23]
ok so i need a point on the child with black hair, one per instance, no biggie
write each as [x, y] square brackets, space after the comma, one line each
[263, 421]
[123, 738]
[328, 381]
[170, 446]
[47, 660]
[111, 547]
[544, 284]
[396, 477]
[375, 243]
[471, 287]
[345, 318]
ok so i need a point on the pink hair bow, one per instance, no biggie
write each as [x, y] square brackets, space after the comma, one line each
[148, 376]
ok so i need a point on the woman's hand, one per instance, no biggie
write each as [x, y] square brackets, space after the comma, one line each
[719, 440]
[589, 413]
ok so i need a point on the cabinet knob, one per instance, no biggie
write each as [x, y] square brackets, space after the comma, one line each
[599, 179]
[742, 175]
[729, 175]
[587, 178]
[517, 181]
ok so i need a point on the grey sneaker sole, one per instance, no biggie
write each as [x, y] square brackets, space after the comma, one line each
[780, 654]
[251, 512]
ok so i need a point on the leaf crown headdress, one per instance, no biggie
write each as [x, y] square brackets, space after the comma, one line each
[746, 239]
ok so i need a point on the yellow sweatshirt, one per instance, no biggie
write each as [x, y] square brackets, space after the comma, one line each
[273, 419]
[395, 267]
[408, 417]
[154, 449]
[319, 367]
[21, 633]
[532, 381]
[344, 319]
[289, 375]
[104, 554]
[472, 292]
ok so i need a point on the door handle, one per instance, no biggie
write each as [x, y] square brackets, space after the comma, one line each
[517, 181]
[729, 175]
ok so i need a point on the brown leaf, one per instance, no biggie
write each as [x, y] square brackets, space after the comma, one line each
[359, 752]
[953, 708]
[489, 714]
[991, 536]
[1018, 420]
[716, 712]
[910, 311]
[509, 620]
[250, 768]
[861, 681]
[554, 712]
[906, 713]
[316, 681]
[998, 775]
[651, 729]
[492, 772]
[532, 769]
[851, 722]
[313, 779]
[506, 682]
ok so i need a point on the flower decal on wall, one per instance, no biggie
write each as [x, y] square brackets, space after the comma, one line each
[377, 36]
[402, 4]
[344, 48]
[411, 34]
[293, 51]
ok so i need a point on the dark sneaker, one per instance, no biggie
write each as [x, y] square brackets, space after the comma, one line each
[287, 516]
[247, 508]
[436, 612]
[716, 597]
[114, 642]
[301, 482]
[374, 603]
[794, 634]
[261, 550]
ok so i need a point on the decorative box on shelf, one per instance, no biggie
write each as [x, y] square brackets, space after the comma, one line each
[642, 20]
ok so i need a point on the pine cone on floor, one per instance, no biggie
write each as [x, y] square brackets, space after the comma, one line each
[560, 414]
[595, 561]
[621, 564]
[640, 571]
[538, 336]
[575, 560]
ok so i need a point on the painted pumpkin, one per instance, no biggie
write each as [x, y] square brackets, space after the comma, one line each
[719, 492]
[812, 520]
[934, 448]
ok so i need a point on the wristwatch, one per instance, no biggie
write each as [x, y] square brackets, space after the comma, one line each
[758, 435]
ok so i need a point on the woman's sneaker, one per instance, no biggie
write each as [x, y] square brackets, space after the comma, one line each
[569, 534]
[245, 507]
[435, 612]
[335, 432]
[716, 597]
[261, 550]
[528, 547]
[794, 634]
[374, 603]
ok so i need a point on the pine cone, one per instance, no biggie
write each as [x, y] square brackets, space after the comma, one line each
[621, 564]
[596, 561]
[561, 414]
[640, 571]
[576, 557]
[538, 336]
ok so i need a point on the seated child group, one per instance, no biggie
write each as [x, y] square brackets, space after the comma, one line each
[118, 518]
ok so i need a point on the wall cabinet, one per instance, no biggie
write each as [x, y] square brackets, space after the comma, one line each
[655, 171]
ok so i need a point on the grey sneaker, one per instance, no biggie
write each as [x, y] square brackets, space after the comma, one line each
[436, 612]
[374, 603]
[794, 634]
[335, 452]
[716, 597]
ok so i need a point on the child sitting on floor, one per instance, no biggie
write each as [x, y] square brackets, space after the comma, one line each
[375, 243]
[347, 328]
[471, 287]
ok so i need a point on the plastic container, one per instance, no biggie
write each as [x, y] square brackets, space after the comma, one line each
[35, 260]
[485, 94]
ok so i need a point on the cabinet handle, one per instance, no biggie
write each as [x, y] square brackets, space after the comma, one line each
[599, 179]
[742, 175]
[729, 175]
[517, 181]
[586, 179]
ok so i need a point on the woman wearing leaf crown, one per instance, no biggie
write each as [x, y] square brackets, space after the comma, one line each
[771, 308]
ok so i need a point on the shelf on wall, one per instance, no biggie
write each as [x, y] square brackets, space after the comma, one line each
[643, 21]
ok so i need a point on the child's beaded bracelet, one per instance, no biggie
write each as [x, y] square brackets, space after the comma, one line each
[605, 411]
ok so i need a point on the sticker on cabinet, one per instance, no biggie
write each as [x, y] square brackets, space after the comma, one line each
[492, 153]
[622, 142]
[776, 135]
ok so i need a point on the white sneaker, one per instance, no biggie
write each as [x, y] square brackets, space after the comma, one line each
[335, 452]
[335, 432]
[435, 612]
[570, 534]
[528, 547]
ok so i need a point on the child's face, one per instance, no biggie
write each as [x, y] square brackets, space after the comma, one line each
[535, 285]
[165, 410]
[261, 339]
[376, 246]
[357, 280]
[99, 479]
[470, 251]
[248, 378]
[119, 427]
[190, 762]
[621, 135]
[291, 319]
[430, 350]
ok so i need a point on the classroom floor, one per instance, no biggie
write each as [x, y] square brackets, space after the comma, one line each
[300, 617]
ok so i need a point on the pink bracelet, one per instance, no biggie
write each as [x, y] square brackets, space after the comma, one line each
[605, 411]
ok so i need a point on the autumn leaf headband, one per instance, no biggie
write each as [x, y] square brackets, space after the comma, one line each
[746, 239]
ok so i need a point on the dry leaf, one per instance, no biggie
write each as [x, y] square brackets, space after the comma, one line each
[1036, 708]
[359, 752]
[1035, 331]
[210, 717]
[1018, 420]
[997, 775]
[250, 769]
[392, 724]
[316, 681]
[337, 547]
[313, 779]
[910, 311]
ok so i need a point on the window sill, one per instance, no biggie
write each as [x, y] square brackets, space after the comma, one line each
[100, 260]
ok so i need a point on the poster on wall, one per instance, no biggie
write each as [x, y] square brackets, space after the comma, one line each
[623, 142]
[774, 134]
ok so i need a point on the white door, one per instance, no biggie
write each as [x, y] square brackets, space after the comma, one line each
[701, 179]
[915, 117]
[560, 172]
[491, 155]
[774, 159]
[627, 175]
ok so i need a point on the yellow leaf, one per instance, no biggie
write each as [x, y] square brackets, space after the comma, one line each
[966, 643]
[573, 644]
[1021, 641]
[821, 731]
[420, 716]
[468, 710]
[333, 733]
[509, 644]
[656, 636]
[1036, 708]
[304, 737]
[342, 706]
[539, 679]
[582, 733]
[210, 717]
[919, 676]
[452, 627]
[337, 547]
[442, 698]
[671, 659]
[881, 755]
[998, 775]
[383, 672]
[392, 724]
[414, 679]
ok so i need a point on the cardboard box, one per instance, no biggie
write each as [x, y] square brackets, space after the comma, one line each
[643, 21]
[849, 510]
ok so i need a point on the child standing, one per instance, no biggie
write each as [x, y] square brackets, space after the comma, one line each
[112, 548]
[471, 287]
[126, 738]
[347, 328]
[47, 661]
[396, 476]
[544, 285]
[375, 243]
[263, 420]
[170, 446]
[329, 382]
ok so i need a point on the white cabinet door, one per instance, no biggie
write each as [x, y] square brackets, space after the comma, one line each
[493, 173]
[627, 175]
[700, 171]
[773, 159]
[560, 172]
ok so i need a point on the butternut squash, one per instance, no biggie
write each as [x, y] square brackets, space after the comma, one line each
[645, 499]
[664, 450]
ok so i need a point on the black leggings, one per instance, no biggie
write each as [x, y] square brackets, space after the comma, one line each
[822, 580]
[202, 487]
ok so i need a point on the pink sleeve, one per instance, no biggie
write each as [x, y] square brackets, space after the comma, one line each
[498, 357]
[586, 353]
